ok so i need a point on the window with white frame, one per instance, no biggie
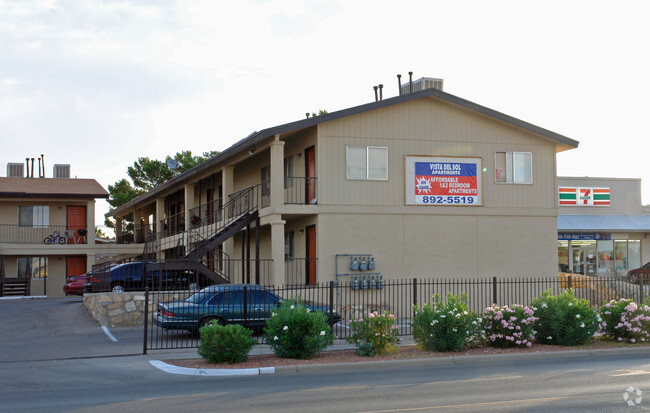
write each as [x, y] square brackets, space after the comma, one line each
[514, 167]
[34, 216]
[367, 162]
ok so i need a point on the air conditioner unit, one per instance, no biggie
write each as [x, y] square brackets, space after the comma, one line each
[62, 171]
[421, 84]
[15, 170]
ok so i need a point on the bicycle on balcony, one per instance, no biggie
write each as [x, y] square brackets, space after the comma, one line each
[56, 238]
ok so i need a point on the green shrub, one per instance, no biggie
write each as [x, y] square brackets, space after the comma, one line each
[610, 314]
[509, 326]
[294, 331]
[225, 344]
[375, 334]
[564, 319]
[447, 325]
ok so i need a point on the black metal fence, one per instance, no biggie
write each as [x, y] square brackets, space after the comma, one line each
[350, 302]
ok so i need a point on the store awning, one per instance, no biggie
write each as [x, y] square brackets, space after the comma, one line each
[604, 223]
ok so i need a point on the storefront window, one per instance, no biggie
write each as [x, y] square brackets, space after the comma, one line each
[605, 255]
[620, 255]
[634, 254]
[563, 256]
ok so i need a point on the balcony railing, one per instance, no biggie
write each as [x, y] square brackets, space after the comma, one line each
[52, 234]
[211, 210]
[173, 224]
[300, 190]
[296, 270]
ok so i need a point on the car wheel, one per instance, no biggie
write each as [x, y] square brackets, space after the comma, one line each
[117, 288]
[207, 320]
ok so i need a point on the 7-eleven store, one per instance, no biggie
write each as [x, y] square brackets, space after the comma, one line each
[603, 228]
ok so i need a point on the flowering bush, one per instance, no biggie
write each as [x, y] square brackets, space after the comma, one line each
[625, 320]
[611, 316]
[225, 344]
[375, 334]
[564, 319]
[447, 325]
[509, 326]
[294, 331]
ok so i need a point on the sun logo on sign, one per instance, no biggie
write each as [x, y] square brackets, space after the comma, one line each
[422, 185]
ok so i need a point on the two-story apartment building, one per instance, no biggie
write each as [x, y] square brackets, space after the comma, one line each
[422, 184]
[47, 229]
[603, 228]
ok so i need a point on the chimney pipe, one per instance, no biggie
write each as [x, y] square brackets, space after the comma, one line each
[32, 167]
[381, 92]
[307, 114]
[39, 168]
[376, 98]
[43, 159]
[410, 82]
[399, 84]
[27, 170]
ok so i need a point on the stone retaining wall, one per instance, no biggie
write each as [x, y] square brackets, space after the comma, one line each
[124, 309]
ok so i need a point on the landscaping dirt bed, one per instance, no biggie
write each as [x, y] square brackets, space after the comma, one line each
[403, 353]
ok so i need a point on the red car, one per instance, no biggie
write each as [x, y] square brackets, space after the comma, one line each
[640, 275]
[74, 285]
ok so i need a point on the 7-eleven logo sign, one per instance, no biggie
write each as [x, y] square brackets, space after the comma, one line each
[574, 196]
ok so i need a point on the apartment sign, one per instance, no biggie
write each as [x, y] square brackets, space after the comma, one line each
[581, 196]
[451, 181]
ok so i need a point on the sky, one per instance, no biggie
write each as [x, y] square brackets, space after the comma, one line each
[98, 83]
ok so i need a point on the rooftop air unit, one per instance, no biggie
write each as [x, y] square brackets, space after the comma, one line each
[62, 171]
[421, 84]
[15, 170]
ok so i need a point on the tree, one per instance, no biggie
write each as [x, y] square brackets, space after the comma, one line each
[320, 112]
[147, 174]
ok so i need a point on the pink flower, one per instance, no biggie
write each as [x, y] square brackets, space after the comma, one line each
[529, 344]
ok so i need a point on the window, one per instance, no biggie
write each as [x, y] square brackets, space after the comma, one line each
[265, 179]
[288, 245]
[35, 267]
[288, 172]
[367, 162]
[514, 167]
[34, 216]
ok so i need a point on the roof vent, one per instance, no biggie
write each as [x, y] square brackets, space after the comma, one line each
[421, 84]
[15, 170]
[62, 171]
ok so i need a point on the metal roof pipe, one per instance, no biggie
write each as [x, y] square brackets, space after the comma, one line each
[375, 88]
[399, 84]
[410, 82]
[381, 92]
[27, 170]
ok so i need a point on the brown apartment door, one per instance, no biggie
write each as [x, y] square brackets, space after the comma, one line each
[75, 265]
[311, 254]
[310, 169]
[76, 222]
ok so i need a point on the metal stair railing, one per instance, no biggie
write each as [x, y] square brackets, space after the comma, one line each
[242, 204]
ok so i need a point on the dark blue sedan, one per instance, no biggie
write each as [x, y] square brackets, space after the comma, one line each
[225, 304]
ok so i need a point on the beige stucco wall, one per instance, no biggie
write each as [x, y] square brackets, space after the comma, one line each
[407, 246]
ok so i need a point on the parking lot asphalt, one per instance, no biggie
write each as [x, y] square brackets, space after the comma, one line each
[59, 328]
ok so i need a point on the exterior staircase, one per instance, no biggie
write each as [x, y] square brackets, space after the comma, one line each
[204, 237]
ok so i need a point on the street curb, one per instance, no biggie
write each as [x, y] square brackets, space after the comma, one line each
[436, 361]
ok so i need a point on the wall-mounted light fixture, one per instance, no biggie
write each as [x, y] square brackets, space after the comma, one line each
[299, 155]
[251, 150]
[301, 230]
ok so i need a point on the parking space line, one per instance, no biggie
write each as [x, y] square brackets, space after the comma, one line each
[108, 333]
